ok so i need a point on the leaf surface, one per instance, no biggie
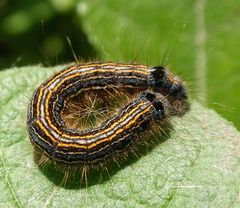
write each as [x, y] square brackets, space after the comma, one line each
[197, 166]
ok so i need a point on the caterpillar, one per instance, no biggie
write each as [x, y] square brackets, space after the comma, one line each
[159, 93]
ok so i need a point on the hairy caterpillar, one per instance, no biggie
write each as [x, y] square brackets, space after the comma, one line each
[160, 94]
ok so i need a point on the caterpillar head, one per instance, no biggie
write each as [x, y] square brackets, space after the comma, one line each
[171, 86]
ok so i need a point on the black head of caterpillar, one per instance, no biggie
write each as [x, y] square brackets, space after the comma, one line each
[157, 102]
[171, 86]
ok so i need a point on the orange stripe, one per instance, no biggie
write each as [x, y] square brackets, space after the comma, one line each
[91, 65]
[108, 138]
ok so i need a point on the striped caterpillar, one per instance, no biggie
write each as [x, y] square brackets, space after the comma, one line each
[160, 94]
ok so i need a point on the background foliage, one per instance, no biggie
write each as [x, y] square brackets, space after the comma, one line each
[34, 32]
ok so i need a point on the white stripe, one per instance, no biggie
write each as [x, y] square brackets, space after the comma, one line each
[53, 85]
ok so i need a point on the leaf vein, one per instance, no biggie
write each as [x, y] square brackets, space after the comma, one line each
[9, 183]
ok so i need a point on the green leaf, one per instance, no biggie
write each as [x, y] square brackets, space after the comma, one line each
[197, 166]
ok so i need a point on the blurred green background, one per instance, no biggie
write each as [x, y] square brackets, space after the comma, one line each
[199, 40]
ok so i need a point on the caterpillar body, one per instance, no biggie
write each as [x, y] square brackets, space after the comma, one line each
[159, 95]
